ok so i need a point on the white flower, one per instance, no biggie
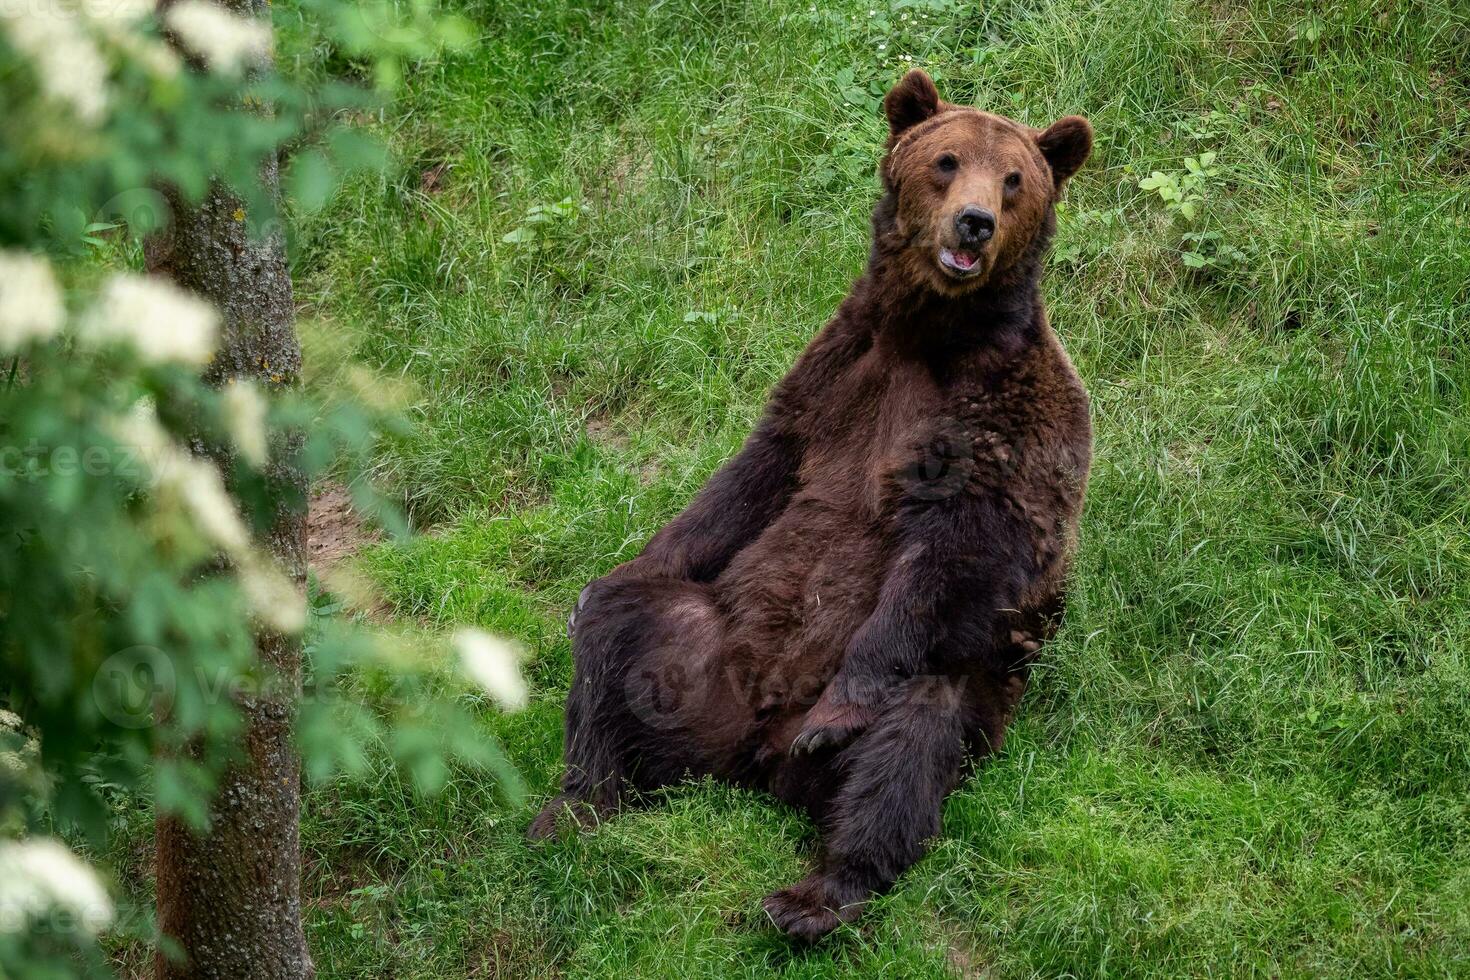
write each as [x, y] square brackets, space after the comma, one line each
[30, 303]
[10, 720]
[152, 55]
[245, 410]
[273, 598]
[493, 664]
[139, 429]
[162, 322]
[199, 485]
[39, 875]
[194, 482]
[68, 65]
[226, 41]
[196, 485]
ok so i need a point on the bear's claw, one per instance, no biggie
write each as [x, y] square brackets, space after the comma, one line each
[830, 726]
[827, 736]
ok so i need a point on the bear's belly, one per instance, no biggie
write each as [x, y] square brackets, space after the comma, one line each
[794, 597]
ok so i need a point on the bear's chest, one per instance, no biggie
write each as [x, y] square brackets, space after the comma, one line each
[894, 433]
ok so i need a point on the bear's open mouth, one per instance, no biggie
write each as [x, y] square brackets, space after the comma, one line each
[959, 262]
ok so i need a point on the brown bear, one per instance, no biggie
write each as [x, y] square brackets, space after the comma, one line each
[845, 613]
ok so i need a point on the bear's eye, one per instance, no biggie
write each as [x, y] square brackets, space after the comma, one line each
[1013, 180]
[947, 164]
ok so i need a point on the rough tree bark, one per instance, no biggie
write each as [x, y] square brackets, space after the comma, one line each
[232, 897]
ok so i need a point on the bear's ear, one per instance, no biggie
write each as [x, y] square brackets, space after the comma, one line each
[910, 102]
[1066, 144]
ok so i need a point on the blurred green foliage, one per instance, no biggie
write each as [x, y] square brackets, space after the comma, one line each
[125, 641]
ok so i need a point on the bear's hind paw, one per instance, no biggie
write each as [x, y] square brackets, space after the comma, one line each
[564, 809]
[814, 906]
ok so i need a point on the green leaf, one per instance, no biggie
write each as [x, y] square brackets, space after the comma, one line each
[354, 151]
[310, 181]
[182, 789]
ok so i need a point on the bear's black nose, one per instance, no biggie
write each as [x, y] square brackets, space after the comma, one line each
[975, 225]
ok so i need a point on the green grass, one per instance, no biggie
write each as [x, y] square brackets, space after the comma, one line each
[1248, 753]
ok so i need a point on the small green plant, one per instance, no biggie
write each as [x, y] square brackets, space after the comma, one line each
[1209, 249]
[865, 97]
[1087, 233]
[1183, 193]
[541, 219]
[1209, 127]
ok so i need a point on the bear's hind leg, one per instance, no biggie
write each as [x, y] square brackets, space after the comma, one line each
[623, 629]
[887, 808]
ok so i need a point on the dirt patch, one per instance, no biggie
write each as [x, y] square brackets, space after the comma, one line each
[601, 431]
[630, 171]
[966, 963]
[334, 531]
[962, 955]
[432, 180]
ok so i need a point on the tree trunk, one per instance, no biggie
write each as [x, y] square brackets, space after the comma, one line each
[232, 897]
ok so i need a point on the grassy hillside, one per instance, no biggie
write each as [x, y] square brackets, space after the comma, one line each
[613, 226]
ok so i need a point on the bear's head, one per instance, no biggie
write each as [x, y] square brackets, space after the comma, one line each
[970, 195]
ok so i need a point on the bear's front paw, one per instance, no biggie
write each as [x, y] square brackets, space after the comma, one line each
[831, 725]
[814, 906]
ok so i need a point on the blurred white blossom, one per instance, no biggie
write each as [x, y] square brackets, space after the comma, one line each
[152, 55]
[164, 323]
[273, 598]
[226, 41]
[203, 492]
[117, 11]
[30, 302]
[193, 482]
[493, 664]
[140, 430]
[245, 412]
[68, 65]
[195, 485]
[39, 875]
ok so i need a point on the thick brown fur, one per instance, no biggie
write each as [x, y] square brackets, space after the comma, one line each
[845, 613]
